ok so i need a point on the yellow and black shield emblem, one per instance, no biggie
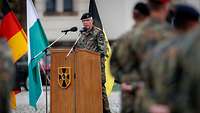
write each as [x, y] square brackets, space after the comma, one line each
[64, 76]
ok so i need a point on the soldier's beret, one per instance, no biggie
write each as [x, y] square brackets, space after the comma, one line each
[85, 16]
[186, 12]
[142, 8]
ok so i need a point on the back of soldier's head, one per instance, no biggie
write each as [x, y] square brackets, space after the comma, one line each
[184, 15]
[157, 4]
[142, 8]
[140, 12]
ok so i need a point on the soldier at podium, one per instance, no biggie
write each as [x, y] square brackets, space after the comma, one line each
[92, 38]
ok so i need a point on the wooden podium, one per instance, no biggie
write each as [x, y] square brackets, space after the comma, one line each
[75, 82]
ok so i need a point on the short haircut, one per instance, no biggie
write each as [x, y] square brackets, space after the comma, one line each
[157, 4]
[142, 8]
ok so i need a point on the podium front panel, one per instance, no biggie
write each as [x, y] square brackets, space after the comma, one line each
[84, 93]
[88, 83]
[62, 99]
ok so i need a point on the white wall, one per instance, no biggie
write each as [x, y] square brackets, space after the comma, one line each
[116, 16]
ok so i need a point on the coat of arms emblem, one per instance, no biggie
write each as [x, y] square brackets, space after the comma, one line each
[64, 77]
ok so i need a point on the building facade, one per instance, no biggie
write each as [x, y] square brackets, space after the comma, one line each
[57, 15]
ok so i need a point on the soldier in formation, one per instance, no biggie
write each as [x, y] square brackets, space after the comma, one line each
[120, 63]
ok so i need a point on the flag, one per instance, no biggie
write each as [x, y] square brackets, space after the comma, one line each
[37, 42]
[97, 22]
[13, 32]
[13, 103]
[15, 37]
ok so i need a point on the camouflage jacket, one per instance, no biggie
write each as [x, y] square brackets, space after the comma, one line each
[121, 66]
[146, 37]
[187, 70]
[94, 40]
[6, 76]
[156, 71]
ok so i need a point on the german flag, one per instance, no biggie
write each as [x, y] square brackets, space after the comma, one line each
[11, 29]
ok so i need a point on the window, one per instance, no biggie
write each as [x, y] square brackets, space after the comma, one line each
[50, 5]
[59, 7]
[68, 5]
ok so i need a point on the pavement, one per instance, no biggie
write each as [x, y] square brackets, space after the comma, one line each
[23, 106]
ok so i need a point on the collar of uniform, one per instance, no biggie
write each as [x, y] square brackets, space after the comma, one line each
[156, 20]
[92, 29]
[89, 31]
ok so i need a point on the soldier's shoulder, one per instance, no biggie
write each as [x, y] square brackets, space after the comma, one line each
[155, 25]
[142, 28]
[126, 35]
[97, 29]
[163, 47]
[190, 40]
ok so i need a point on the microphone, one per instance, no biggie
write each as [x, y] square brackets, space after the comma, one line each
[73, 29]
[82, 30]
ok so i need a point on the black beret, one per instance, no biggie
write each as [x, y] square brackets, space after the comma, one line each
[184, 14]
[142, 8]
[86, 15]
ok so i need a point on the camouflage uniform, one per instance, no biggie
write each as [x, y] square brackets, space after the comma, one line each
[172, 74]
[188, 100]
[121, 68]
[155, 71]
[120, 60]
[151, 33]
[6, 77]
[94, 40]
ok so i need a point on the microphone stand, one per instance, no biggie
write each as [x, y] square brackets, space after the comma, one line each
[74, 46]
[46, 76]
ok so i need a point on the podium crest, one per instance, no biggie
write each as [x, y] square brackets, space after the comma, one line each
[64, 77]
